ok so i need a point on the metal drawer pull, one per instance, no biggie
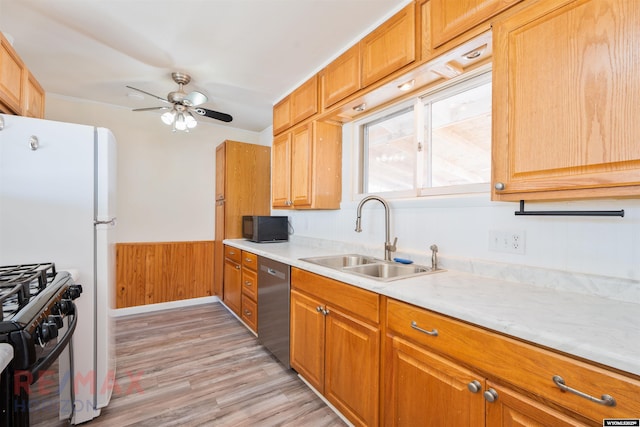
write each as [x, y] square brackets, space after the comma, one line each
[247, 312]
[605, 400]
[433, 332]
[247, 283]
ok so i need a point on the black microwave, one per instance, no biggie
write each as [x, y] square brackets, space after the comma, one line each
[265, 228]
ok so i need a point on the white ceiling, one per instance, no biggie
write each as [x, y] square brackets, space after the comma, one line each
[243, 54]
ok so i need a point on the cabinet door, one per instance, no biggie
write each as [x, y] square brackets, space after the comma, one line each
[389, 47]
[304, 100]
[282, 116]
[452, 18]
[232, 285]
[33, 100]
[423, 389]
[11, 77]
[352, 367]
[341, 78]
[302, 165]
[515, 410]
[565, 90]
[307, 339]
[281, 172]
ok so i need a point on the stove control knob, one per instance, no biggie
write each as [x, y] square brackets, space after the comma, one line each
[55, 319]
[48, 331]
[55, 308]
[74, 291]
[66, 306]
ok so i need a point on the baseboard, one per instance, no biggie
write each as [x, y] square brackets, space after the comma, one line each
[148, 308]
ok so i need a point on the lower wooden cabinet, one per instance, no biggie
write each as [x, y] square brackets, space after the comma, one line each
[232, 279]
[250, 290]
[430, 359]
[335, 349]
[424, 389]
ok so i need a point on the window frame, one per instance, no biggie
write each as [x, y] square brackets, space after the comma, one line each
[451, 87]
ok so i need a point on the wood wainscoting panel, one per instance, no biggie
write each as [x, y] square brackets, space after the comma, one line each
[150, 273]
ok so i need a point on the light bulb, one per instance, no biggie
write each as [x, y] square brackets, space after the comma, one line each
[190, 121]
[167, 118]
[180, 122]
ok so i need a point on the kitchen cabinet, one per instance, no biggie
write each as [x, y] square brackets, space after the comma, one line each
[341, 77]
[389, 47]
[565, 110]
[249, 307]
[282, 115]
[233, 279]
[299, 105]
[241, 188]
[12, 78]
[506, 365]
[335, 343]
[33, 99]
[450, 19]
[307, 167]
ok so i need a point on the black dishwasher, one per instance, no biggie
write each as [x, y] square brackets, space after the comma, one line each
[273, 307]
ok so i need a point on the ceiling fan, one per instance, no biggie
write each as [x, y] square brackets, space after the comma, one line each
[182, 105]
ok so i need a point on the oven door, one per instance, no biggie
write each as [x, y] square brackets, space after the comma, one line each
[43, 395]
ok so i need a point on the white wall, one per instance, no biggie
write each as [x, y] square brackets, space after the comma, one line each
[166, 180]
[460, 227]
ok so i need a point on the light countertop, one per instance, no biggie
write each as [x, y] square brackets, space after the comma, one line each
[593, 327]
[6, 355]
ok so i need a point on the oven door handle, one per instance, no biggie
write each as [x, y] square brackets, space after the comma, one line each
[46, 361]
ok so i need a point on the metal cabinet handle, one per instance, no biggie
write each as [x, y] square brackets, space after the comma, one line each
[247, 312]
[247, 283]
[490, 395]
[319, 309]
[248, 260]
[474, 386]
[237, 267]
[433, 332]
[232, 253]
[499, 186]
[605, 400]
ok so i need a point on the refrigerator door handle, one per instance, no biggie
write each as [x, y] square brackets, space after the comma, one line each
[111, 221]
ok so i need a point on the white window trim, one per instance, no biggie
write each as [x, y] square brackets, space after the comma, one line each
[464, 82]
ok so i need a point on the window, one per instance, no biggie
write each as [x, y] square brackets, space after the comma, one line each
[439, 143]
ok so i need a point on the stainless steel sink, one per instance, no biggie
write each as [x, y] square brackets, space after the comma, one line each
[373, 268]
[340, 261]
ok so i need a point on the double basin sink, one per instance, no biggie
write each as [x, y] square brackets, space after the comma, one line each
[371, 267]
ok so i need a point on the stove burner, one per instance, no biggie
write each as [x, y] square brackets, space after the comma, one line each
[19, 284]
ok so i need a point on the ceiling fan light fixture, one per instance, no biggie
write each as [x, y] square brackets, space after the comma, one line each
[190, 121]
[180, 123]
[168, 117]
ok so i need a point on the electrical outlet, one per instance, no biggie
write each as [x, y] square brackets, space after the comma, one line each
[507, 241]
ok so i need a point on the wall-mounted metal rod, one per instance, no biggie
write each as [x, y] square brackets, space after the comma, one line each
[568, 213]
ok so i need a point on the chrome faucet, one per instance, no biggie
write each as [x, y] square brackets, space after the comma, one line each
[388, 247]
[434, 257]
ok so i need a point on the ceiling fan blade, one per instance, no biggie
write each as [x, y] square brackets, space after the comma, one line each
[213, 114]
[194, 99]
[150, 94]
[151, 108]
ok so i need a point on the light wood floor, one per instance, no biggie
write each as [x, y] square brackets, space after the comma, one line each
[199, 366]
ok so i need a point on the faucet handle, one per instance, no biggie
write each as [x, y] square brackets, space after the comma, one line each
[392, 247]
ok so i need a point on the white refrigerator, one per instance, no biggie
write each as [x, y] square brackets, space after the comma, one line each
[57, 204]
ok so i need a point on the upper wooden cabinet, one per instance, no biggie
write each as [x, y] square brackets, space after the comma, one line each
[449, 18]
[307, 167]
[20, 92]
[282, 115]
[301, 104]
[33, 99]
[389, 47]
[341, 78]
[304, 100]
[12, 78]
[565, 110]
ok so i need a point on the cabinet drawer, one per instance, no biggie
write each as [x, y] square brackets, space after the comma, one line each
[250, 313]
[250, 260]
[250, 284]
[525, 365]
[358, 301]
[233, 254]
